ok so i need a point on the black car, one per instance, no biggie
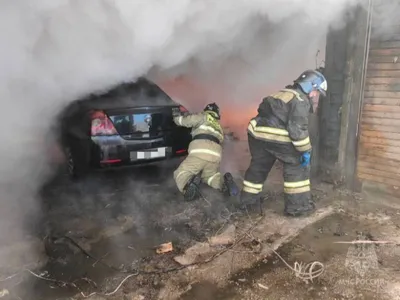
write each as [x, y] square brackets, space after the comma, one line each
[129, 124]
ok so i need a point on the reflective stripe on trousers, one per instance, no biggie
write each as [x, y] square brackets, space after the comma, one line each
[204, 151]
[193, 165]
[210, 180]
[252, 188]
[297, 187]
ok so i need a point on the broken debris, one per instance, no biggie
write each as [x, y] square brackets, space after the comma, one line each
[192, 254]
[164, 248]
[262, 286]
[225, 238]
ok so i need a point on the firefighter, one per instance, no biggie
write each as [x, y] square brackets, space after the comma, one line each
[280, 132]
[203, 160]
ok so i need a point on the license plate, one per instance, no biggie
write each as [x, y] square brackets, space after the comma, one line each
[148, 154]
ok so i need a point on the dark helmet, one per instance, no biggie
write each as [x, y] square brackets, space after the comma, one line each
[213, 109]
[312, 80]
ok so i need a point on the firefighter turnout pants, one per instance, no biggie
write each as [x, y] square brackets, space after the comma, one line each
[297, 194]
[194, 165]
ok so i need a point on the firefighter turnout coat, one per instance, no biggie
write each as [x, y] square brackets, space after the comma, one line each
[205, 150]
[280, 131]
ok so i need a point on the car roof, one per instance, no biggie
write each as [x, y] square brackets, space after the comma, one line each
[140, 93]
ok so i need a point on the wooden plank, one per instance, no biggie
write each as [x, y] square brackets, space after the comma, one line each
[386, 36]
[388, 108]
[383, 87]
[384, 66]
[382, 128]
[380, 154]
[384, 45]
[382, 81]
[384, 52]
[380, 141]
[387, 73]
[380, 134]
[380, 121]
[373, 178]
[389, 102]
[381, 114]
[380, 94]
[379, 163]
[379, 173]
[382, 148]
[382, 59]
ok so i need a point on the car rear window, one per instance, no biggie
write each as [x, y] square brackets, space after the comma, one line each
[142, 124]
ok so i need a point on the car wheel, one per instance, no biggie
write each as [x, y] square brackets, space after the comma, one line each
[77, 159]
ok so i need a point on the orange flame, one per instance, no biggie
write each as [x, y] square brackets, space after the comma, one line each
[195, 95]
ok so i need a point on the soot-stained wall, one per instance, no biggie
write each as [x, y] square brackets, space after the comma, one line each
[331, 105]
[340, 110]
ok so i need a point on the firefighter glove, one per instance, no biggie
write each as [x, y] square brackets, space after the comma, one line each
[305, 159]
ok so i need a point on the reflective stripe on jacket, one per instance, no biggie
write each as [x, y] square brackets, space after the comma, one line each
[283, 118]
[203, 123]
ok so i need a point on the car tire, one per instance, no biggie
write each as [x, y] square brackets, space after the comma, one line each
[77, 154]
[70, 164]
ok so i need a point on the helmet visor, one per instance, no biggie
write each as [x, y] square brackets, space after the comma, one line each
[322, 88]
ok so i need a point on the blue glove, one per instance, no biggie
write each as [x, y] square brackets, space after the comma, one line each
[305, 159]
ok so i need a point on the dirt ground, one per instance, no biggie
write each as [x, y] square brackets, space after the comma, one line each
[248, 270]
[368, 271]
[99, 243]
[351, 271]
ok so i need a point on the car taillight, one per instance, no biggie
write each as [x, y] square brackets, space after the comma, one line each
[182, 109]
[101, 124]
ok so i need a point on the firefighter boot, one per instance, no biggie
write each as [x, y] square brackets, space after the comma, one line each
[300, 211]
[191, 190]
[251, 202]
[229, 186]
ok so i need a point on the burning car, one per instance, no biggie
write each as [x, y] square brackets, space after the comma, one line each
[129, 124]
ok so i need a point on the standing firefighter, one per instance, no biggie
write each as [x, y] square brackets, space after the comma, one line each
[204, 157]
[280, 131]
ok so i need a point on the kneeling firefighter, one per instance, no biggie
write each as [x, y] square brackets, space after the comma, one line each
[280, 131]
[204, 158]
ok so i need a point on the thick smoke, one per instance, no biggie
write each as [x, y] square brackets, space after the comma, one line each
[55, 51]
[385, 14]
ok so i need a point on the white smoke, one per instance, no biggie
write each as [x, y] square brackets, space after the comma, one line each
[54, 51]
